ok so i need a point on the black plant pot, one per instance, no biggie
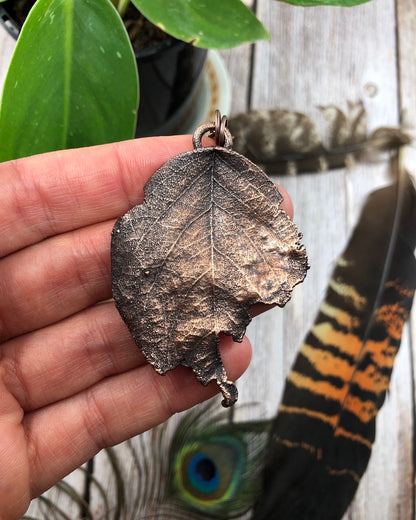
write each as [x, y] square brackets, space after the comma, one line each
[171, 76]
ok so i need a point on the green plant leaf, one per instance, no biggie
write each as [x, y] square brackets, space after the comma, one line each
[340, 3]
[72, 80]
[216, 24]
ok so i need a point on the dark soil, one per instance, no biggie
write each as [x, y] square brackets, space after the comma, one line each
[142, 33]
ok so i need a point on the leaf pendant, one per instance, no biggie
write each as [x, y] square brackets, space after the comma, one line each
[208, 242]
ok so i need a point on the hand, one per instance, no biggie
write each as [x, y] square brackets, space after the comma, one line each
[72, 381]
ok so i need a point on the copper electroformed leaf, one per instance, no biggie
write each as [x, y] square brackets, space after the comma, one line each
[208, 242]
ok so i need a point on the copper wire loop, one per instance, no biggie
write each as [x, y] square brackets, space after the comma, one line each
[218, 130]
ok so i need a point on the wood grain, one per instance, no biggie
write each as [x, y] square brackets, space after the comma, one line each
[406, 30]
[319, 56]
[7, 45]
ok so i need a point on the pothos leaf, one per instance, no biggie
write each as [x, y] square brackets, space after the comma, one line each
[209, 241]
[215, 24]
[82, 63]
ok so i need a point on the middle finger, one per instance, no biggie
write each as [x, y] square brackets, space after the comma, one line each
[54, 279]
[63, 359]
[59, 361]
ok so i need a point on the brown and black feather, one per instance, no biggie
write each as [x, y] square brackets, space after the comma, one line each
[322, 437]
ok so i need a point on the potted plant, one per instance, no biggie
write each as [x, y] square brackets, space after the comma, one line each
[79, 55]
[73, 78]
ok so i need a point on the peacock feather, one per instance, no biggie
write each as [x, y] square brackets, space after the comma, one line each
[215, 465]
[202, 465]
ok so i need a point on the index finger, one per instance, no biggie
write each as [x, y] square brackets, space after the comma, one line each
[53, 193]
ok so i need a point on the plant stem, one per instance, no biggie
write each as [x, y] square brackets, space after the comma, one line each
[122, 6]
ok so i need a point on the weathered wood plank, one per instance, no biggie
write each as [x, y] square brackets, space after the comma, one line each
[327, 55]
[406, 27]
[317, 57]
[7, 45]
[237, 63]
[322, 56]
[299, 70]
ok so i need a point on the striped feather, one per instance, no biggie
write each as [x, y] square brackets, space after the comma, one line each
[322, 437]
[288, 143]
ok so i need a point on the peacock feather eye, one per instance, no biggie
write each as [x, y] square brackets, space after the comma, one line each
[203, 473]
[207, 473]
[215, 465]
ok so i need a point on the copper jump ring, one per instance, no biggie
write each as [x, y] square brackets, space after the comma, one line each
[221, 123]
[218, 130]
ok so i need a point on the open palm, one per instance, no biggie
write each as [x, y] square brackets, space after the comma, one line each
[72, 380]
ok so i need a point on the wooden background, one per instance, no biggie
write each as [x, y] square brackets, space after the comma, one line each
[321, 56]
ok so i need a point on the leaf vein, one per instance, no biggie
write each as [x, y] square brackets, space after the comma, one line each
[163, 214]
[162, 265]
[249, 238]
[244, 202]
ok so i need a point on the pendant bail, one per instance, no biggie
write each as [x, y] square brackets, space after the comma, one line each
[218, 130]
